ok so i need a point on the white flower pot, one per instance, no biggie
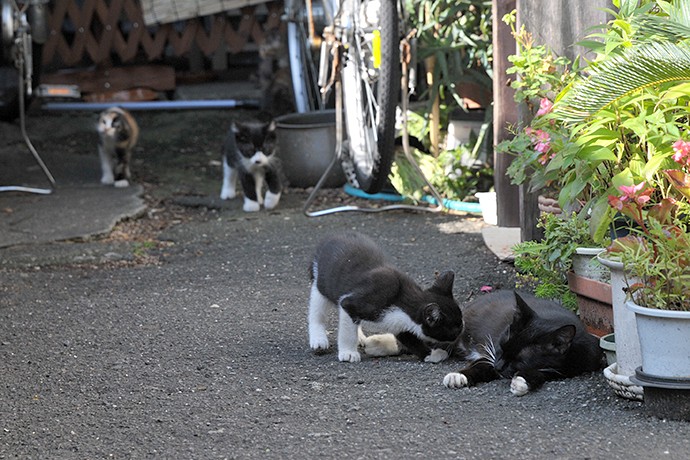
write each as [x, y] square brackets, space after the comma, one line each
[664, 341]
[585, 263]
[624, 326]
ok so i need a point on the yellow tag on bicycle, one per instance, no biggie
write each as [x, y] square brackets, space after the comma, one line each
[376, 45]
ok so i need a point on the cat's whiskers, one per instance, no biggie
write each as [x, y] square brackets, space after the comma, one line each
[489, 350]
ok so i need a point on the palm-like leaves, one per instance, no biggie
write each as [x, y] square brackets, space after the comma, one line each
[641, 66]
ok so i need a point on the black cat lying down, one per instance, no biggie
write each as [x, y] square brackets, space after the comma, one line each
[516, 336]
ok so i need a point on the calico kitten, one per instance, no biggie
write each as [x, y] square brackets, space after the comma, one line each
[249, 156]
[118, 133]
[350, 272]
[523, 338]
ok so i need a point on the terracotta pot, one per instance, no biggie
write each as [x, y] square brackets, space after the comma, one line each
[593, 303]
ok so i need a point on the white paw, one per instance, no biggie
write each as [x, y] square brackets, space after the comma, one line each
[350, 356]
[271, 200]
[122, 183]
[318, 342]
[107, 179]
[251, 205]
[436, 356]
[381, 345]
[227, 193]
[518, 386]
[455, 380]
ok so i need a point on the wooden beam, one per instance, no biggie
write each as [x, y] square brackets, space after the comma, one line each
[505, 113]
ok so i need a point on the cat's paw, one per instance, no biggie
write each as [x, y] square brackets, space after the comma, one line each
[251, 205]
[436, 356]
[455, 380]
[519, 386]
[122, 183]
[381, 345]
[227, 193]
[271, 200]
[107, 179]
[350, 356]
[319, 343]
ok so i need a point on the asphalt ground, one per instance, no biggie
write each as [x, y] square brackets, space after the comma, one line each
[181, 333]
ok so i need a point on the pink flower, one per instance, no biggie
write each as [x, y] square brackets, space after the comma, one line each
[629, 191]
[545, 106]
[486, 289]
[681, 151]
[540, 138]
[542, 147]
[545, 158]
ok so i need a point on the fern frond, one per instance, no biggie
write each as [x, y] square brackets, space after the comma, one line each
[641, 66]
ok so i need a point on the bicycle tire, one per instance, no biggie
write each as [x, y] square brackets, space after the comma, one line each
[303, 68]
[370, 97]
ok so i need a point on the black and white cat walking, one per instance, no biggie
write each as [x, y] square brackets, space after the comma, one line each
[350, 272]
[249, 157]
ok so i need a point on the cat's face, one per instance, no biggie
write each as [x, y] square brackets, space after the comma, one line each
[442, 317]
[256, 141]
[532, 344]
[109, 123]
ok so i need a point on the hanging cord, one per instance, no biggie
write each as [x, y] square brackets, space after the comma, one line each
[24, 64]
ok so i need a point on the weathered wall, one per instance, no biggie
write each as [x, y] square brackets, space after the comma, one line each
[559, 24]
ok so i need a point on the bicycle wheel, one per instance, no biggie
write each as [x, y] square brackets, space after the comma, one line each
[303, 51]
[371, 86]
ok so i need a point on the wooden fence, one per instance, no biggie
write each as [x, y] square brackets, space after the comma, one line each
[102, 32]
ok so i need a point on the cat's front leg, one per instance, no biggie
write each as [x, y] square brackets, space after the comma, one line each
[107, 177]
[318, 312]
[347, 338]
[251, 200]
[476, 372]
[229, 189]
[274, 189]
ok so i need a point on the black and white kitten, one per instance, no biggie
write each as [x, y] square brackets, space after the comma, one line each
[350, 272]
[523, 338]
[118, 133]
[249, 156]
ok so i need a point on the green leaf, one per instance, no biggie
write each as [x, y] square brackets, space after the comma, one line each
[635, 68]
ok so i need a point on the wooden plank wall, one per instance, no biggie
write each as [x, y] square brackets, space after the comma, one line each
[100, 31]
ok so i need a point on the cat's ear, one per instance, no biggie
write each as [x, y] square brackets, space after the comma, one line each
[559, 340]
[523, 315]
[271, 126]
[432, 314]
[444, 284]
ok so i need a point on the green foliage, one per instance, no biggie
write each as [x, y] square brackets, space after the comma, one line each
[457, 33]
[543, 266]
[659, 259]
[656, 253]
[626, 108]
[449, 173]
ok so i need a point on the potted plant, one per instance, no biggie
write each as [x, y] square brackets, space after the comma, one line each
[544, 266]
[624, 109]
[656, 255]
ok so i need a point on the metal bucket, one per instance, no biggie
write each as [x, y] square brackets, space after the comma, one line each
[306, 146]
